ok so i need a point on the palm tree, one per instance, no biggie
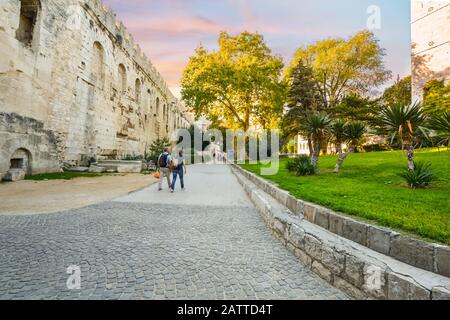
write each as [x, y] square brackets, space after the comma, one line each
[353, 133]
[315, 126]
[441, 124]
[337, 131]
[404, 123]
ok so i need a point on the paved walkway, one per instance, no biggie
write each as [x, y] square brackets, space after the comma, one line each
[205, 243]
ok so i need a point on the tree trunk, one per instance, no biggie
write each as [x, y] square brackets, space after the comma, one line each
[316, 153]
[342, 157]
[410, 156]
[310, 147]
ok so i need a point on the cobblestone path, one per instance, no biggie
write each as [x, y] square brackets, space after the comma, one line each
[204, 243]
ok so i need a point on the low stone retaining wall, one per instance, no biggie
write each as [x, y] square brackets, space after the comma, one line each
[358, 270]
[428, 256]
[121, 166]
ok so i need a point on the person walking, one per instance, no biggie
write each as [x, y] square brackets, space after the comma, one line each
[164, 162]
[179, 170]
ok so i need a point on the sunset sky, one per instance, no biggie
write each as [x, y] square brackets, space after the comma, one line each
[168, 31]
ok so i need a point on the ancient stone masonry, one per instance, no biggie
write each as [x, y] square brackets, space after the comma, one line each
[71, 67]
[430, 32]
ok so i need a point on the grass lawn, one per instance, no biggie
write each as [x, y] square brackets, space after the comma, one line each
[63, 176]
[368, 187]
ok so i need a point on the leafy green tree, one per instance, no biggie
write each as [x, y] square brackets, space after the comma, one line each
[353, 107]
[302, 98]
[405, 123]
[399, 93]
[157, 147]
[315, 126]
[236, 86]
[351, 133]
[436, 97]
[441, 124]
[342, 67]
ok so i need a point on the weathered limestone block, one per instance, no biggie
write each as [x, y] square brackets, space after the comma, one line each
[321, 271]
[333, 260]
[14, 175]
[404, 288]
[374, 281]
[379, 239]
[414, 252]
[354, 270]
[297, 236]
[309, 212]
[440, 293]
[313, 247]
[295, 205]
[349, 288]
[95, 169]
[442, 260]
[336, 223]
[279, 226]
[321, 218]
[355, 231]
[303, 257]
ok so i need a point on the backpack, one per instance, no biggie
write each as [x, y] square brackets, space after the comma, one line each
[162, 163]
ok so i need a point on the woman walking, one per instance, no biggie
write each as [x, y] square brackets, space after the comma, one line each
[179, 170]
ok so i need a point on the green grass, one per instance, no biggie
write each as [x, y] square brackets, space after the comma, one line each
[369, 187]
[63, 176]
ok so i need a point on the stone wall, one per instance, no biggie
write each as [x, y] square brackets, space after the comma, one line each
[26, 139]
[430, 35]
[359, 271]
[82, 76]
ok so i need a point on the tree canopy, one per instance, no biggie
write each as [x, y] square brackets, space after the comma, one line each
[236, 86]
[342, 67]
[398, 93]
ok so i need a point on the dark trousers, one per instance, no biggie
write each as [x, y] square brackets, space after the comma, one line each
[177, 172]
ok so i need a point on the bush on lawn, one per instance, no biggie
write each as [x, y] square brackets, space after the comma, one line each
[421, 177]
[301, 166]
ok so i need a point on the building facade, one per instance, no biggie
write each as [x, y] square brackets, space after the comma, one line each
[75, 86]
[430, 37]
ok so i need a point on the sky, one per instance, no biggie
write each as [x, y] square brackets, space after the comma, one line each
[168, 31]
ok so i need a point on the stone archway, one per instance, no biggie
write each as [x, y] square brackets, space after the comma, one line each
[20, 165]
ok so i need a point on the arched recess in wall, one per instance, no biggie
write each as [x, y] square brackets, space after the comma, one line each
[30, 11]
[98, 64]
[157, 108]
[21, 159]
[137, 94]
[122, 78]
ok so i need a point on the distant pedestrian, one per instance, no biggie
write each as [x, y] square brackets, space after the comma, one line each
[179, 169]
[164, 162]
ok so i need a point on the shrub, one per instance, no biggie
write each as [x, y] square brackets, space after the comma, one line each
[301, 166]
[376, 147]
[421, 177]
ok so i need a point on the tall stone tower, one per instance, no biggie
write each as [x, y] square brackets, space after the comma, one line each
[430, 33]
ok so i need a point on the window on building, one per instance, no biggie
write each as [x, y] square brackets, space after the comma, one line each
[98, 64]
[122, 78]
[29, 12]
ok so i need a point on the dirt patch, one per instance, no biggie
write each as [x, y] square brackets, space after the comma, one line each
[35, 197]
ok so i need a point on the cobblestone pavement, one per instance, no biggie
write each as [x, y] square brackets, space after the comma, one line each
[129, 250]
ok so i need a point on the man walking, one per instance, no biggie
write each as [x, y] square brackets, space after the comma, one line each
[164, 161]
[179, 170]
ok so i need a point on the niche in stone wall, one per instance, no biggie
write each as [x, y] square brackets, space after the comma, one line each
[138, 91]
[98, 65]
[29, 13]
[122, 78]
[157, 107]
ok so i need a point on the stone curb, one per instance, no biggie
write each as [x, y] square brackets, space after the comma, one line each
[351, 267]
[418, 253]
